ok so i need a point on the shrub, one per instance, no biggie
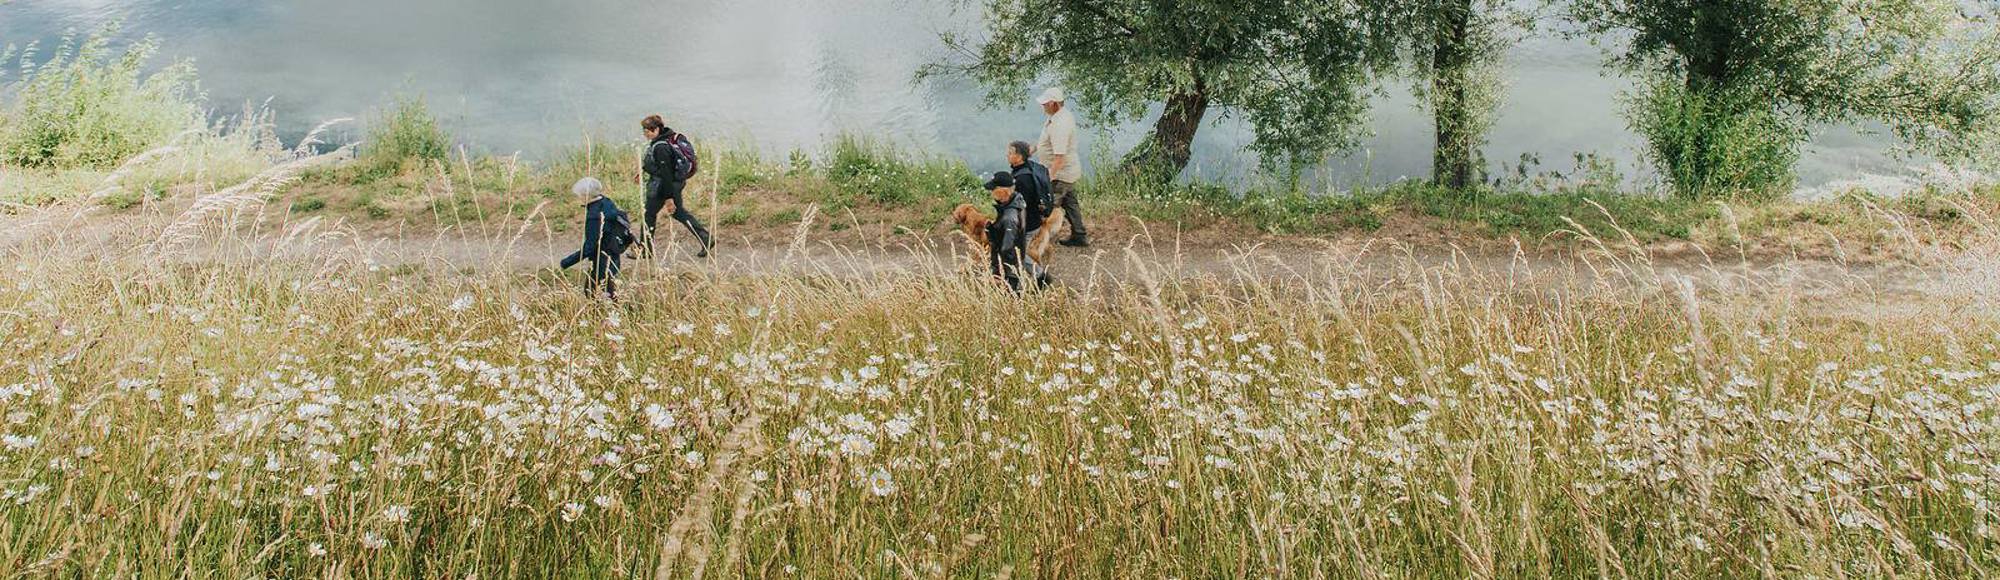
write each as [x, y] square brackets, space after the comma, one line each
[741, 168]
[1715, 144]
[91, 105]
[611, 162]
[407, 131]
[858, 167]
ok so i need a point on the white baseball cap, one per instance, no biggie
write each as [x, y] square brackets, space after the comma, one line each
[1053, 95]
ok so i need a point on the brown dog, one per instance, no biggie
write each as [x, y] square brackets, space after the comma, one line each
[973, 223]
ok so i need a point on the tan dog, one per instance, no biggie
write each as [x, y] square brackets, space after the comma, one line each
[973, 223]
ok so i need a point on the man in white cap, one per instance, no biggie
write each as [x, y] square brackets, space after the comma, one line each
[1058, 148]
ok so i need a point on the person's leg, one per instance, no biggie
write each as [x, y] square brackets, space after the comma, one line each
[1066, 199]
[611, 266]
[598, 276]
[686, 218]
[656, 198]
[1016, 268]
[1034, 270]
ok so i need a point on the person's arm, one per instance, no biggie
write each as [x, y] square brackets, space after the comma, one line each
[593, 229]
[1010, 236]
[1062, 143]
[662, 165]
[993, 236]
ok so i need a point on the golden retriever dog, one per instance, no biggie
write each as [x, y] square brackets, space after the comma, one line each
[973, 223]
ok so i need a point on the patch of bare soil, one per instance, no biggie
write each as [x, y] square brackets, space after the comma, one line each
[879, 242]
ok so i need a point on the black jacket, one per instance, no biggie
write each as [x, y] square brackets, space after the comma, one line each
[1028, 187]
[598, 233]
[662, 161]
[1008, 238]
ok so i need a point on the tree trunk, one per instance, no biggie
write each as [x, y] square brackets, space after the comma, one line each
[1453, 155]
[1165, 152]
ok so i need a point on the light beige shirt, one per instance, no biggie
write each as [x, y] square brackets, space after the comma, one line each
[1059, 138]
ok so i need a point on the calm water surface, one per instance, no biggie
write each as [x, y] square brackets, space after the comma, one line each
[529, 75]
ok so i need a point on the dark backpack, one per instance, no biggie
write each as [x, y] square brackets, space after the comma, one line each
[1046, 186]
[618, 230]
[686, 163]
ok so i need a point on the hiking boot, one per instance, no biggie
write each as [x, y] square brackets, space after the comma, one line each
[1076, 242]
[701, 236]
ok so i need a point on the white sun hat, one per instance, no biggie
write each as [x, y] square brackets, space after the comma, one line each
[1053, 95]
[587, 189]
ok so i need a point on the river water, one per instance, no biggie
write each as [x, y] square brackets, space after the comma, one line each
[529, 75]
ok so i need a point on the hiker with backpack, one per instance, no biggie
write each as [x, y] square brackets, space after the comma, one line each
[667, 164]
[607, 232]
[1031, 184]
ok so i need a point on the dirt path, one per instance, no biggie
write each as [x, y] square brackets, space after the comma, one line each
[1124, 253]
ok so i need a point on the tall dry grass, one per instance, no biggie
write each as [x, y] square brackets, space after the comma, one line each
[235, 408]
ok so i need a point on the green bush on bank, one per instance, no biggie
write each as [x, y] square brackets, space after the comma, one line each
[879, 173]
[93, 106]
[1721, 146]
[405, 132]
[1496, 212]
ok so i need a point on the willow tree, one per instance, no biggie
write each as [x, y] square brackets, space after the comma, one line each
[1454, 48]
[1732, 88]
[1299, 71]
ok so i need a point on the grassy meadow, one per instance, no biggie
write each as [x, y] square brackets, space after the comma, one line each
[328, 418]
[192, 388]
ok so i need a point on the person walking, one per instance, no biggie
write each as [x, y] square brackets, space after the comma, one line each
[606, 233]
[666, 167]
[1058, 147]
[1007, 249]
[1029, 184]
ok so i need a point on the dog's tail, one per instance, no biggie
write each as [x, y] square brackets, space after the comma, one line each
[1043, 246]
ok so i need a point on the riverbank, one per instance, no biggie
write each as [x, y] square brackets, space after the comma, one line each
[860, 193]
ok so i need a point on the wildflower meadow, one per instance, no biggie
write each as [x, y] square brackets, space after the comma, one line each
[327, 414]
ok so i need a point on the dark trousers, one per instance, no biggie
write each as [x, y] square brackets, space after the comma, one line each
[1066, 199]
[604, 273]
[658, 193]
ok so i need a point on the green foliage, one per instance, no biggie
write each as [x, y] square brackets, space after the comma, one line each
[1717, 145]
[611, 162]
[1600, 214]
[742, 168]
[1550, 208]
[407, 131]
[90, 105]
[1453, 49]
[798, 163]
[861, 169]
[784, 217]
[1297, 70]
[1730, 74]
